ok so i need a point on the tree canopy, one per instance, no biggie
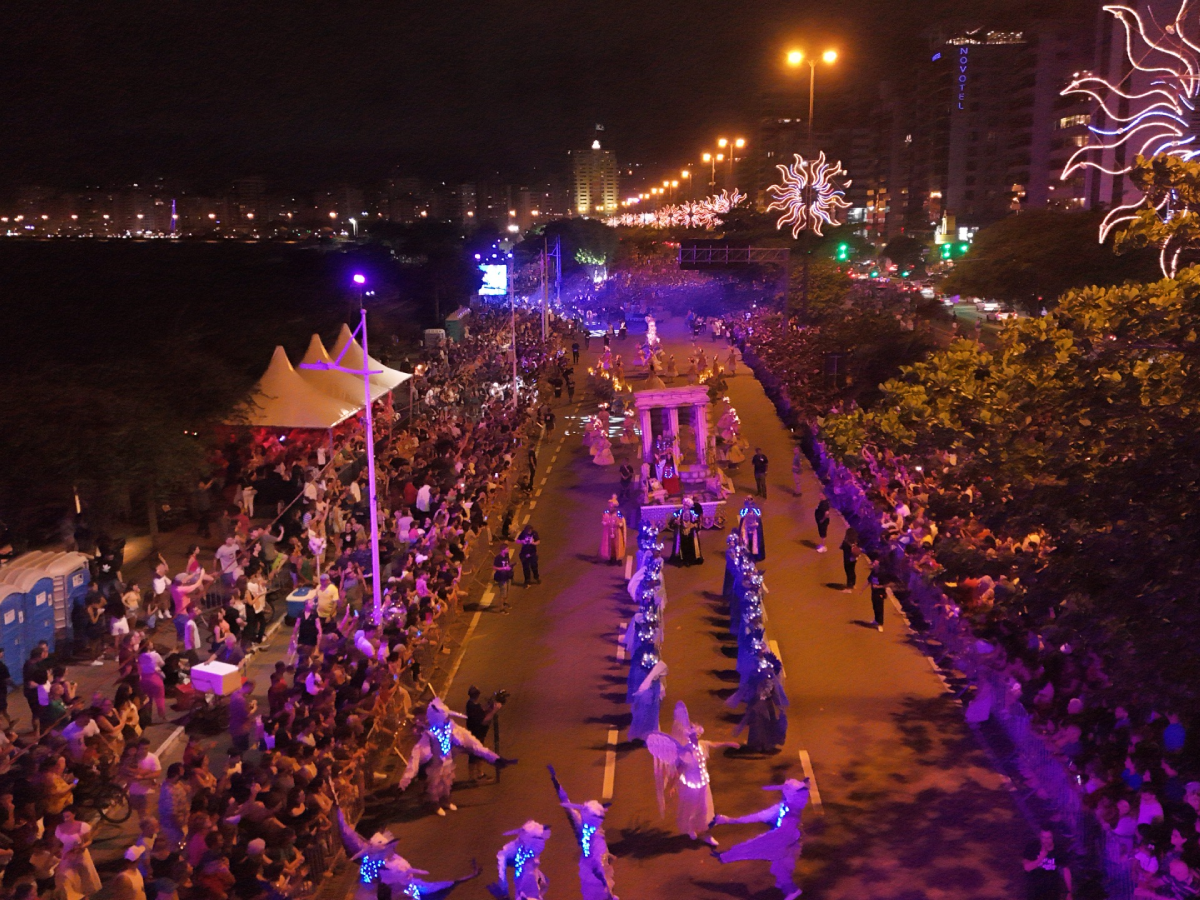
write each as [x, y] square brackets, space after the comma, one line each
[1083, 424]
[1031, 258]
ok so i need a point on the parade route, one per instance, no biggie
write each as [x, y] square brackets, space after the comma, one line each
[907, 805]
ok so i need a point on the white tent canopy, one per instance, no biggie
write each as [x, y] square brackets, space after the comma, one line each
[284, 399]
[387, 378]
[341, 385]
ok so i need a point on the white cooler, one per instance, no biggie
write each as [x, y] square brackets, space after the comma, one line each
[216, 678]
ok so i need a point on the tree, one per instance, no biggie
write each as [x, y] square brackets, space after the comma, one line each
[592, 237]
[905, 251]
[1170, 221]
[1031, 258]
[1085, 425]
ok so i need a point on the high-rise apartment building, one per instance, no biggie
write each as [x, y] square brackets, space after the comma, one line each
[596, 181]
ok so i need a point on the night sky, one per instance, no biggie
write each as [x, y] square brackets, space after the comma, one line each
[303, 93]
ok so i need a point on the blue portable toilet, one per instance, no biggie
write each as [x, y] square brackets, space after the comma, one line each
[38, 589]
[71, 577]
[12, 626]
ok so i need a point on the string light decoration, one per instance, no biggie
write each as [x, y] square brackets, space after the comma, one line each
[1159, 120]
[524, 855]
[444, 735]
[369, 869]
[703, 213]
[585, 839]
[782, 814]
[809, 195]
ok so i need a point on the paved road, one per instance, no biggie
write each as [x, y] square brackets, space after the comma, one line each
[911, 808]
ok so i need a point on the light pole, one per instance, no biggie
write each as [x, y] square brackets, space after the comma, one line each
[366, 372]
[794, 59]
[713, 159]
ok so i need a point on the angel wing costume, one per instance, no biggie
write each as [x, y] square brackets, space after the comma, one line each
[681, 767]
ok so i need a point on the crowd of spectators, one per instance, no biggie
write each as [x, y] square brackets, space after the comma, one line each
[292, 512]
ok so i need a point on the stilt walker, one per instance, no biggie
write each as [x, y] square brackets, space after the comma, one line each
[596, 881]
[781, 846]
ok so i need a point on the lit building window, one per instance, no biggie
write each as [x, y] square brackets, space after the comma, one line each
[1072, 121]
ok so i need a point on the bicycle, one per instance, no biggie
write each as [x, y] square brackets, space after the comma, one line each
[100, 791]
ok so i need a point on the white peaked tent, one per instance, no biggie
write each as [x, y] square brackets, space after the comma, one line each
[340, 385]
[284, 399]
[387, 378]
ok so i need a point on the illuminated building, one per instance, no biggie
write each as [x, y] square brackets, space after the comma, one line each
[596, 181]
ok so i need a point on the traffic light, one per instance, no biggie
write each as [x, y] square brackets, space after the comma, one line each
[951, 251]
[843, 252]
[946, 248]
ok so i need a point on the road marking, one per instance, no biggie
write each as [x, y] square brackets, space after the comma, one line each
[628, 567]
[549, 469]
[538, 492]
[814, 795]
[774, 645]
[533, 504]
[171, 739]
[610, 766]
[525, 521]
[895, 603]
[621, 642]
[463, 650]
[486, 600]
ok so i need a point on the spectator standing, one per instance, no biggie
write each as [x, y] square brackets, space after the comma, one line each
[174, 805]
[529, 540]
[502, 574]
[759, 462]
[849, 548]
[1048, 878]
[822, 518]
[328, 600]
[878, 596]
[242, 708]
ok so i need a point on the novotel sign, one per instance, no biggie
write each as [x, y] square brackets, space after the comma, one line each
[962, 75]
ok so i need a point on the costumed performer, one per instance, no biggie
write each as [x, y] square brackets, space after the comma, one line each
[524, 854]
[681, 765]
[781, 846]
[596, 880]
[750, 529]
[441, 740]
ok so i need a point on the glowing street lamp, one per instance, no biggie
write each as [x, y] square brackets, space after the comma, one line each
[794, 59]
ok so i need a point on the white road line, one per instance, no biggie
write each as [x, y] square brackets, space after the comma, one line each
[549, 469]
[628, 567]
[814, 795]
[538, 492]
[774, 645]
[463, 650]
[525, 521]
[166, 744]
[486, 600]
[533, 504]
[621, 642]
[896, 603]
[610, 766]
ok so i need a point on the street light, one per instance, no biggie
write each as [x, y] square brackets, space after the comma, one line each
[366, 372]
[794, 59]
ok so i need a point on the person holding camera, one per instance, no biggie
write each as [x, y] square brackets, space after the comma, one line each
[479, 723]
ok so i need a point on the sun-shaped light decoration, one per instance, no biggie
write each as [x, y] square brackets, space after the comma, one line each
[810, 194]
[1156, 120]
[724, 201]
